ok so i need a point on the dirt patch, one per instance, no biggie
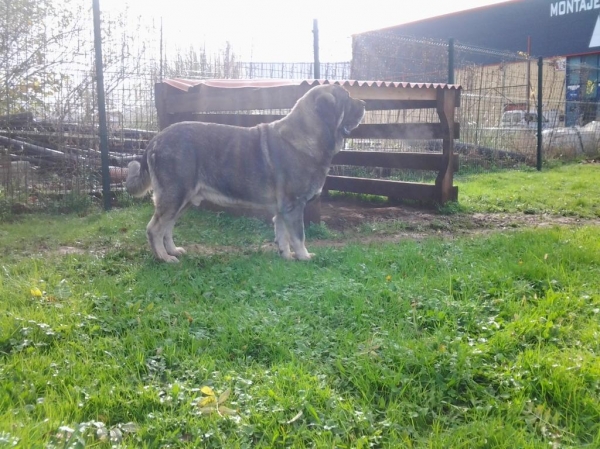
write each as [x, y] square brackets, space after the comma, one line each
[344, 214]
[66, 250]
[355, 221]
[393, 223]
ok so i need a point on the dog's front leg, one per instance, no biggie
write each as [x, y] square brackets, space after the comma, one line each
[282, 237]
[293, 219]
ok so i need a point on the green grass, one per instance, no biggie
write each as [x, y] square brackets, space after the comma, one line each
[489, 341]
[568, 190]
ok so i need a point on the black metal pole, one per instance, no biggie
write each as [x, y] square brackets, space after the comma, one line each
[528, 87]
[103, 130]
[317, 68]
[161, 51]
[540, 113]
[451, 61]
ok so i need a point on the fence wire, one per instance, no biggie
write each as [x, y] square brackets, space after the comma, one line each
[49, 145]
[498, 113]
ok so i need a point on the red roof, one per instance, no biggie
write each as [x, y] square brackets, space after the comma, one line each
[187, 85]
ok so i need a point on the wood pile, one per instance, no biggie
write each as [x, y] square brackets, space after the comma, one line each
[63, 147]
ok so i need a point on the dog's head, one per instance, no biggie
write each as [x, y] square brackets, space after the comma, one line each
[338, 109]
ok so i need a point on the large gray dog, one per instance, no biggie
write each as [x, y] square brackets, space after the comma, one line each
[280, 165]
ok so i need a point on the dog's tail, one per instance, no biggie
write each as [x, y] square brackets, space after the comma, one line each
[138, 180]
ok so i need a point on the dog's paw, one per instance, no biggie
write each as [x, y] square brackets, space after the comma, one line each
[287, 255]
[171, 259]
[305, 256]
[177, 251]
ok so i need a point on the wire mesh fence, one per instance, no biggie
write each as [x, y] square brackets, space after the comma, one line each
[266, 70]
[49, 144]
[499, 102]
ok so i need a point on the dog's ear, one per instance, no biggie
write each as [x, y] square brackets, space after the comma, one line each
[325, 106]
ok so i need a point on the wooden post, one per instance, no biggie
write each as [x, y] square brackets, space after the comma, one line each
[312, 212]
[446, 103]
[160, 95]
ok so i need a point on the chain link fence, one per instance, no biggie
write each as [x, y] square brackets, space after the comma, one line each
[49, 144]
[499, 103]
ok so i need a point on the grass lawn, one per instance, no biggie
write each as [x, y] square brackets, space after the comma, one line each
[483, 341]
[567, 190]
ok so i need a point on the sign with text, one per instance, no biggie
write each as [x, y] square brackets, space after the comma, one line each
[555, 28]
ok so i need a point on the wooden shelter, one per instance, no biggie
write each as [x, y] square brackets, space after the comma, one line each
[250, 102]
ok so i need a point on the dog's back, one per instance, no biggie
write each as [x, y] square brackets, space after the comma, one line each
[227, 163]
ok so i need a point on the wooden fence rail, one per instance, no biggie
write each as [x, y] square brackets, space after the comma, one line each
[221, 101]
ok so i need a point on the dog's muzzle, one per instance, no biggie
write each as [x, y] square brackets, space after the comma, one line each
[357, 113]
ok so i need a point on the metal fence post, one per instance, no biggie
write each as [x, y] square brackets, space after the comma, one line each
[451, 60]
[317, 68]
[101, 107]
[540, 113]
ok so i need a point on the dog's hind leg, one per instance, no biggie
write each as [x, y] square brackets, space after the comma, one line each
[170, 247]
[293, 218]
[160, 228]
[282, 237]
[155, 231]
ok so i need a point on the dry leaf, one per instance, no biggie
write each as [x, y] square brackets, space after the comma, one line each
[295, 418]
[210, 404]
[207, 391]
[227, 411]
[207, 401]
[224, 396]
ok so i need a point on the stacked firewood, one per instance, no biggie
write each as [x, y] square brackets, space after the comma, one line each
[56, 146]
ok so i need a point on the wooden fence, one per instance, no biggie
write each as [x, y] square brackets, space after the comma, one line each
[250, 102]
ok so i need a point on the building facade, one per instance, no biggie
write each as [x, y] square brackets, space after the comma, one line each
[566, 30]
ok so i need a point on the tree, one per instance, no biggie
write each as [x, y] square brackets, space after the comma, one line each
[36, 36]
[197, 63]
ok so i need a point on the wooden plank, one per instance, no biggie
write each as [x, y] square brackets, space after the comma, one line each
[446, 110]
[409, 161]
[160, 95]
[246, 120]
[392, 93]
[238, 99]
[181, 117]
[457, 98]
[391, 189]
[284, 97]
[413, 131]
[312, 212]
[371, 105]
[395, 105]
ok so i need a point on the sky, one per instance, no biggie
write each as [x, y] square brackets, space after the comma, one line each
[281, 30]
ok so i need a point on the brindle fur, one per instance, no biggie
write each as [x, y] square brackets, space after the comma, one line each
[281, 166]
